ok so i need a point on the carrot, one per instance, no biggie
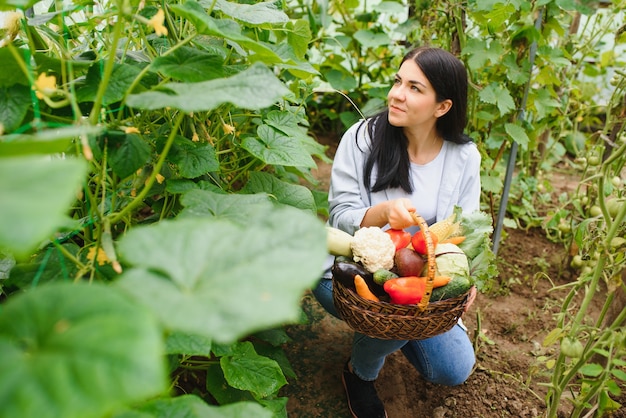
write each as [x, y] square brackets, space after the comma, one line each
[454, 240]
[438, 281]
[441, 281]
[363, 290]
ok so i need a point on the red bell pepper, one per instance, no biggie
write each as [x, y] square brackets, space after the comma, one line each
[405, 290]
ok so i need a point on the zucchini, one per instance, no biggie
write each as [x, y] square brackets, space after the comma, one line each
[382, 275]
[456, 287]
[338, 242]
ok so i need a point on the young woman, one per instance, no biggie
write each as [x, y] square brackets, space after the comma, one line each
[413, 156]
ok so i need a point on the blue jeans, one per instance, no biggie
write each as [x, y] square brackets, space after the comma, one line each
[446, 359]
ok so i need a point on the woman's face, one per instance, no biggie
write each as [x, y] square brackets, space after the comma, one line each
[412, 100]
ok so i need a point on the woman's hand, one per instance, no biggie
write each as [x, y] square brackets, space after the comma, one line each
[470, 299]
[399, 213]
[396, 213]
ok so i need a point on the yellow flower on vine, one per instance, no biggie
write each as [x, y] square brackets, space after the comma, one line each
[160, 178]
[131, 130]
[157, 21]
[228, 129]
[11, 26]
[101, 258]
[45, 85]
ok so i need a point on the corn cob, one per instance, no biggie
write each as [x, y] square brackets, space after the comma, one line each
[446, 228]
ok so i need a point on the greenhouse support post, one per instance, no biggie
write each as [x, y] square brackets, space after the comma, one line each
[513, 155]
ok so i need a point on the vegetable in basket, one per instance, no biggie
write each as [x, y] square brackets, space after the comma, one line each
[363, 290]
[373, 248]
[405, 290]
[370, 246]
[410, 290]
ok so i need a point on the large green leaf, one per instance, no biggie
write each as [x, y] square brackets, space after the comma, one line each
[126, 152]
[190, 65]
[14, 104]
[184, 343]
[255, 88]
[122, 77]
[272, 147]
[223, 280]
[287, 122]
[219, 388]
[50, 141]
[36, 193]
[369, 39]
[284, 192]
[497, 16]
[76, 350]
[223, 28]
[246, 370]
[299, 36]
[48, 63]
[193, 158]
[47, 265]
[480, 51]
[341, 80]
[255, 14]
[11, 72]
[498, 95]
[232, 207]
[191, 406]
[517, 134]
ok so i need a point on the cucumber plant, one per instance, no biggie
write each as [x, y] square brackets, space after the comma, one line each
[151, 158]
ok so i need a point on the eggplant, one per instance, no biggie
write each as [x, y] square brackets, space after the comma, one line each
[345, 271]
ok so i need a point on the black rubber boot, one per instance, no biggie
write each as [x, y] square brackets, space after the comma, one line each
[363, 400]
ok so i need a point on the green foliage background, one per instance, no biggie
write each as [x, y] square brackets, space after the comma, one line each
[158, 204]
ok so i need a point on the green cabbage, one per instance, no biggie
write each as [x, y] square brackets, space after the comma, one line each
[451, 261]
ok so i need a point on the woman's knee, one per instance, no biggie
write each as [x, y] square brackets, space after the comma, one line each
[323, 292]
[447, 359]
[457, 372]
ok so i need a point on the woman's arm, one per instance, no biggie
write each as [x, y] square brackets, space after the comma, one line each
[347, 198]
[349, 201]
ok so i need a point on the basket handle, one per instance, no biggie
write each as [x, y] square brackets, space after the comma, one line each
[431, 262]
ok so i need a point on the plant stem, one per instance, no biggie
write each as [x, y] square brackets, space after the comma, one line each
[146, 69]
[68, 255]
[151, 179]
[94, 116]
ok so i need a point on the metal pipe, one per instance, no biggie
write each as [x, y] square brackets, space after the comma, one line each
[513, 155]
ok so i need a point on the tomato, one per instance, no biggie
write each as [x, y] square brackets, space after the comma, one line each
[399, 237]
[577, 262]
[594, 160]
[564, 227]
[595, 211]
[571, 347]
[418, 241]
[616, 181]
[613, 206]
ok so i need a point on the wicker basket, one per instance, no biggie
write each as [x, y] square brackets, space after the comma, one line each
[388, 321]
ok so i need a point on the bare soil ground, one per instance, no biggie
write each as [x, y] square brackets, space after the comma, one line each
[507, 326]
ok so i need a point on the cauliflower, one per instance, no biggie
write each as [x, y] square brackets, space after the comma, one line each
[373, 248]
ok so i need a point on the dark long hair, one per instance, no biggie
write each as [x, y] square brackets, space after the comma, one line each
[448, 77]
